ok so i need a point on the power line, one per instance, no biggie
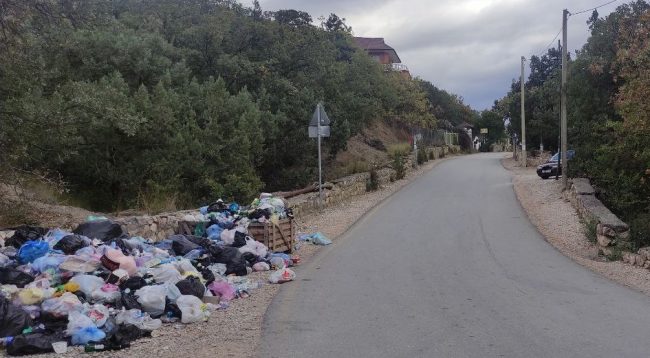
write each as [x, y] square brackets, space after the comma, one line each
[597, 7]
[550, 43]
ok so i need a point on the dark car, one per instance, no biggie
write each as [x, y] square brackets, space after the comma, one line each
[550, 168]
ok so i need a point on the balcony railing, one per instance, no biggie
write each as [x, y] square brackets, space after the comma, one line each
[399, 67]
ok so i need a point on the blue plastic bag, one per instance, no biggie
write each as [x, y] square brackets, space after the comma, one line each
[88, 334]
[319, 239]
[46, 262]
[214, 232]
[32, 250]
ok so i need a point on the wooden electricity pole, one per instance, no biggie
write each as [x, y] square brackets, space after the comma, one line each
[563, 126]
[523, 115]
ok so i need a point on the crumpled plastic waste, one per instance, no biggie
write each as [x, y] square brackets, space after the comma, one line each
[152, 299]
[139, 319]
[224, 290]
[192, 309]
[62, 306]
[316, 238]
[261, 266]
[98, 284]
[32, 250]
[88, 283]
[282, 276]
[82, 329]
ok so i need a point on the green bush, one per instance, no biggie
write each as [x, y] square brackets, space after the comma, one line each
[399, 167]
[422, 156]
[373, 180]
[590, 231]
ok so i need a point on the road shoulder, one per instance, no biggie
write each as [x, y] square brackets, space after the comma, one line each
[558, 221]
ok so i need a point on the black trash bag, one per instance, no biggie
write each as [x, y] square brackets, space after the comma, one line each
[181, 245]
[201, 241]
[172, 310]
[120, 244]
[103, 230]
[25, 233]
[133, 283]
[191, 286]
[208, 276]
[250, 258]
[260, 213]
[70, 244]
[11, 276]
[130, 301]
[240, 239]
[126, 333]
[225, 254]
[24, 344]
[217, 207]
[237, 268]
[12, 318]
[52, 322]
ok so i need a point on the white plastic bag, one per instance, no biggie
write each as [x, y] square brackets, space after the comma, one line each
[152, 299]
[254, 247]
[184, 266]
[62, 306]
[139, 319]
[282, 275]
[100, 295]
[97, 313]
[192, 309]
[77, 321]
[173, 293]
[88, 283]
[261, 266]
[166, 273]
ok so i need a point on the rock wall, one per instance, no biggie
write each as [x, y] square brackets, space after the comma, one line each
[355, 184]
[611, 232]
[160, 226]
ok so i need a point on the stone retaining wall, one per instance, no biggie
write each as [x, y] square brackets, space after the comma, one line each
[611, 232]
[158, 227]
[355, 184]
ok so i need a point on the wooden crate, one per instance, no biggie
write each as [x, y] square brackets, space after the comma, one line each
[278, 238]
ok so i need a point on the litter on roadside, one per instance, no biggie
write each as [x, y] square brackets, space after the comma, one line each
[101, 288]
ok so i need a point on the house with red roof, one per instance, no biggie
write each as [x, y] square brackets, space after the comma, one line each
[377, 48]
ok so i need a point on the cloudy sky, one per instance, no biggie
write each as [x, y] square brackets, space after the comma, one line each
[468, 47]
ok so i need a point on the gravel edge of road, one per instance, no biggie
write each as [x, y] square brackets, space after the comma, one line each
[558, 222]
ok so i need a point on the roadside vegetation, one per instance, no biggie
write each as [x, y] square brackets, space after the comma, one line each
[609, 115]
[168, 104]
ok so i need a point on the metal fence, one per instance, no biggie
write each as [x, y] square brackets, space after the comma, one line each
[437, 137]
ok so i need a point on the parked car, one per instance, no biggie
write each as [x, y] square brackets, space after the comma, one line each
[550, 168]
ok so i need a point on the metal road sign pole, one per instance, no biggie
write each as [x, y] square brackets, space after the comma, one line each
[320, 170]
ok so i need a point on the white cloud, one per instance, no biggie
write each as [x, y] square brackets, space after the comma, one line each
[468, 47]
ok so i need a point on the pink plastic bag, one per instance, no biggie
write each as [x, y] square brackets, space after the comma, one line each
[223, 289]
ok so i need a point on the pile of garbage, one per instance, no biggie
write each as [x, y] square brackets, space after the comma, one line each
[99, 287]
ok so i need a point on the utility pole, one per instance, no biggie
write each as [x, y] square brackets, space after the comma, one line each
[523, 115]
[563, 153]
[559, 126]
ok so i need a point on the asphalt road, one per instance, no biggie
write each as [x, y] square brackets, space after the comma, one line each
[451, 267]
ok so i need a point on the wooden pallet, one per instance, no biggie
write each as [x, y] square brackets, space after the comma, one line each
[278, 238]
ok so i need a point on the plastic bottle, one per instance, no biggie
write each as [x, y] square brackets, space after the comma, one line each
[89, 348]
